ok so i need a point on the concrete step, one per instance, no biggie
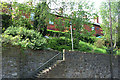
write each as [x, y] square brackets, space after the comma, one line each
[44, 72]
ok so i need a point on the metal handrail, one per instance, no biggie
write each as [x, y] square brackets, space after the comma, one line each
[44, 66]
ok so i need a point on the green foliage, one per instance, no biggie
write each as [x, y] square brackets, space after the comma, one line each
[99, 50]
[24, 37]
[62, 43]
[85, 46]
[61, 23]
[65, 43]
[59, 43]
[22, 22]
[86, 38]
[118, 52]
[21, 15]
[6, 21]
[99, 43]
[42, 15]
[104, 12]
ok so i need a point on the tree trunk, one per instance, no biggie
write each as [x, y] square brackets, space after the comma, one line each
[115, 38]
[110, 24]
[118, 29]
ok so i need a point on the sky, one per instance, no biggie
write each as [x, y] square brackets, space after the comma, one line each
[96, 4]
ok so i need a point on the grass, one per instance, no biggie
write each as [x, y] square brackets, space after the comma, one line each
[85, 47]
[118, 52]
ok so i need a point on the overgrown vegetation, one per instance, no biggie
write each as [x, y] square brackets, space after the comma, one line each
[6, 21]
[23, 37]
[65, 43]
[21, 30]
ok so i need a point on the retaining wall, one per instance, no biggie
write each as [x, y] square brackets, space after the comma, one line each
[85, 65]
[21, 64]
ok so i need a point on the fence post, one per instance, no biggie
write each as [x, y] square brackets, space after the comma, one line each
[63, 54]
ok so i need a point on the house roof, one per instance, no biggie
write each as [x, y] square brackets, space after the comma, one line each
[97, 24]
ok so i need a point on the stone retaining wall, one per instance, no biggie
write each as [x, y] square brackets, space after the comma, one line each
[21, 64]
[85, 65]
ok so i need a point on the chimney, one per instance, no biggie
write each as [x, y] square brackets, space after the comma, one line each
[96, 20]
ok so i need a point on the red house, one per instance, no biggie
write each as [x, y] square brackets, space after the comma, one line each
[51, 25]
[96, 27]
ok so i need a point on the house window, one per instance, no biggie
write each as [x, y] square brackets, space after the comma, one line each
[50, 22]
[93, 28]
[32, 16]
[97, 28]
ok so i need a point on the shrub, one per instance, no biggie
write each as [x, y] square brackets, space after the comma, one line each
[59, 43]
[6, 21]
[99, 43]
[85, 46]
[118, 52]
[24, 37]
[99, 50]
[86, 39]
[62, 43]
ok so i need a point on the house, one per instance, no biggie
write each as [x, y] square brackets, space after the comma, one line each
[51, 25]
[96, 27]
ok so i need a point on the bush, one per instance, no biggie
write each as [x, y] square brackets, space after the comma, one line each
[118, 52]
[24, 37]
[62, 43]
[25, 22]
[99, 43]
[99, 50]
[6, 21]
[85, 46]
[59, 43]
[86, 39]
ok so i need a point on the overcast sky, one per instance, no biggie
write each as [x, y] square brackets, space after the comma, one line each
[97, 2]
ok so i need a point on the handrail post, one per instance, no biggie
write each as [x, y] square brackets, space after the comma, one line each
[63, 54]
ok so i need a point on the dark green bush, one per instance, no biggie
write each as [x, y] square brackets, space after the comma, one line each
[62, 43]
[84, 38]
[59, 43]
[84, 46]
[24, 37]
[6, 21]
[118, 44]
[24, 22]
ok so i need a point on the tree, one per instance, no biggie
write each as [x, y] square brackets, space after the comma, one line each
[80, 17]
[104, 12]
[6, 16]
[21, 14]
[42, 15]
[118, 28]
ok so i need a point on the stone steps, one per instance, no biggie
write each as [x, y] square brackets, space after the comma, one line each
[80, 65]
[44, 72]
